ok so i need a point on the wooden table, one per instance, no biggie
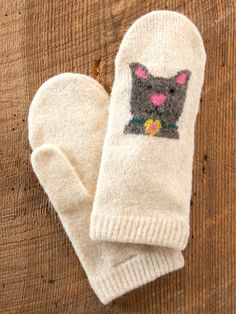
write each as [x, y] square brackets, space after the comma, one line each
[39, 271]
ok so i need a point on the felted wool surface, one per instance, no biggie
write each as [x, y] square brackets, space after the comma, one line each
[144, 185]
[67, 123]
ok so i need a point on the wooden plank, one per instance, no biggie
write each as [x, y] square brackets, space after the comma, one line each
[39, 272]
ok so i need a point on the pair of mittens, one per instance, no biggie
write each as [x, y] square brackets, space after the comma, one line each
[134, 201]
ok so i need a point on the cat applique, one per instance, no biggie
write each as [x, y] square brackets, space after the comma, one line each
[156, 102]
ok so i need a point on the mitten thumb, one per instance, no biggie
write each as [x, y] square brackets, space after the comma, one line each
[58, 178]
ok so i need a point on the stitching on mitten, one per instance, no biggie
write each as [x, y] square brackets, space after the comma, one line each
[156, 102]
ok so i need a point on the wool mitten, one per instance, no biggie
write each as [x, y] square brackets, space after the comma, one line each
[144, 184]
[67, 122]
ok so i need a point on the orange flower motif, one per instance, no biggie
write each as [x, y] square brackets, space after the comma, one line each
[152, 127]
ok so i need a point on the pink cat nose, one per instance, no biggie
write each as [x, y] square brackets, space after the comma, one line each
[157, 99]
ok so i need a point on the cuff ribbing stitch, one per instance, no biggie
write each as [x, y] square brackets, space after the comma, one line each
[160, 230]
[136, 272]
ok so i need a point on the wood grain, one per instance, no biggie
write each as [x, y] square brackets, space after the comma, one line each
[39, 272]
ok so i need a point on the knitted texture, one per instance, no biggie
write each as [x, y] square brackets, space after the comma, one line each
[67, 122]
[144, 185]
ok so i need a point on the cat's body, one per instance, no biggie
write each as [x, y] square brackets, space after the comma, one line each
[156, 102]
[134, 127]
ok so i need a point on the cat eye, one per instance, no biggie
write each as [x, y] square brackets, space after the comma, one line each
[149, 86]
[172, 91]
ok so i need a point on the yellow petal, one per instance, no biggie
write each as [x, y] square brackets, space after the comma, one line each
[148, 123]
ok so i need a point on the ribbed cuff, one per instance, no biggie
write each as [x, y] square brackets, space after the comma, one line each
[136, 272]
[160, 230]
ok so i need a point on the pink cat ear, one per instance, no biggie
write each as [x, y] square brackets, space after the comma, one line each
[141, 72]
[182, 77]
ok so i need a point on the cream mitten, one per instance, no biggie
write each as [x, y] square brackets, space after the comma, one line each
[67, 122]
[144, 185]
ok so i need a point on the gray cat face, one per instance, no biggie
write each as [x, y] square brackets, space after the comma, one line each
[156, 102]
[157, 97]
